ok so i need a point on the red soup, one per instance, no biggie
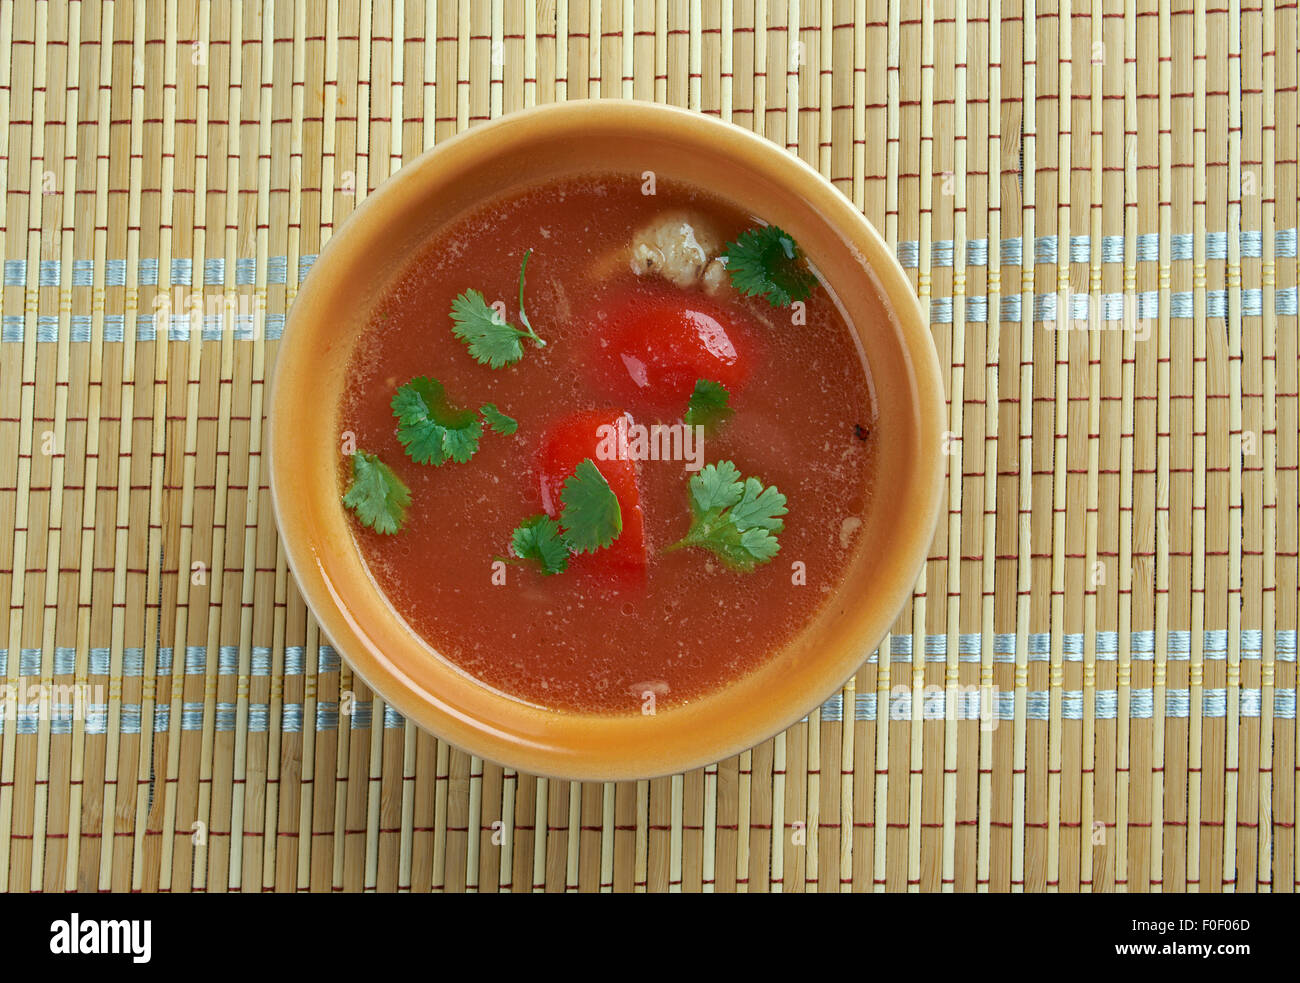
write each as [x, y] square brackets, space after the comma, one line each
[639, 488]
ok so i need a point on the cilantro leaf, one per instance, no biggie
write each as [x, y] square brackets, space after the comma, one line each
[491, 340]
[767, 262]
[377, 495]
[591, 518]
[708, 404]
[758, 508]
[715, 487]
[539, 538]
[497, 420]
[735, 518]
[430, 428]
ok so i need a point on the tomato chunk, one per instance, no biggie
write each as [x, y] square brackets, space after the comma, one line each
[564, 447]
[656, 343]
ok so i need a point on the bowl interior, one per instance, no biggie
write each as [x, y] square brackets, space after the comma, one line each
[373, 247]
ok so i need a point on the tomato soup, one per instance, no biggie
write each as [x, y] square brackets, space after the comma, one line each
[643, 620]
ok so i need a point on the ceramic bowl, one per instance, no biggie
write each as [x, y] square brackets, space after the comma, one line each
[374, 245]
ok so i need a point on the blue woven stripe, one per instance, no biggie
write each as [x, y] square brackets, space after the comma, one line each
[1000, 705]
[943, 253]
[260, 663]
[1006, 648]
[1146, 248]
[363, 712]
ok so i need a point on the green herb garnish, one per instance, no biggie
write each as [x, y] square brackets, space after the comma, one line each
[491, 340]
[430, 428]
[591, 520]
[498, 421]
[523, 315]
[767, 262]
[735, 518]
[539, 538]
[708, 404]
[377, 495]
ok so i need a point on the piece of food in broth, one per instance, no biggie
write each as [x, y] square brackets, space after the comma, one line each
[655, 344]
[567, 444]
[682, 247]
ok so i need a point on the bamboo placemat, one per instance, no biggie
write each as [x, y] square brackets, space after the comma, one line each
[1116, 580]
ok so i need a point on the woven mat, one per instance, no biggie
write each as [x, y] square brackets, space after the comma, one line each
[1115, 584]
